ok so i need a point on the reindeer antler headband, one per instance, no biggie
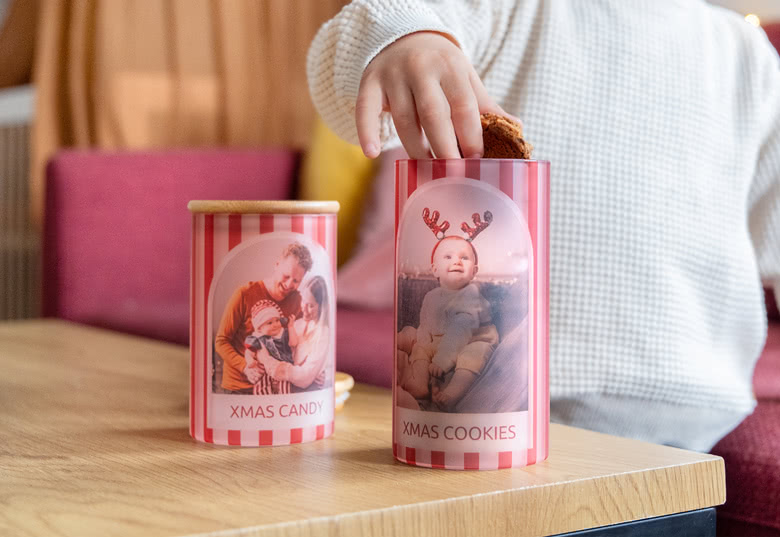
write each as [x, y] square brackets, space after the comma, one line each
[431, 220]
[439, 230]
[479, 225]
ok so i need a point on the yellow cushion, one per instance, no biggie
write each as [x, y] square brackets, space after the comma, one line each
[336, 170]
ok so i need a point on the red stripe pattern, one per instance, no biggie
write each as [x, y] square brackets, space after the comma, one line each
[234, 231]
[527, 184]
[266, 223]
[214, 236]
[410, 453]
[192, 328]
[532, 225]
[208, 272]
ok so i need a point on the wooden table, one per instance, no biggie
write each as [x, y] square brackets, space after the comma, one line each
[94, 441]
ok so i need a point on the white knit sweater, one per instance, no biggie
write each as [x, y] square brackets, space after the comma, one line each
[662, 122]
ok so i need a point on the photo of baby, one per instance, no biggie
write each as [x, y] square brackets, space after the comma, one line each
[275, 334]
[452, 314]
[272, 334]
[455, 329]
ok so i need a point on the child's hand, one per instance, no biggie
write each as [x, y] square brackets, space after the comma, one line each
[252, 373]
[435, 371]
[425, 81]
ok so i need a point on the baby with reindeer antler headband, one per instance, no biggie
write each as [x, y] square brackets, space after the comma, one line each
[456, 332]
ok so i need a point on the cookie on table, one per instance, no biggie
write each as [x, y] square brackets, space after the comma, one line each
[343, 384]
[503, 138]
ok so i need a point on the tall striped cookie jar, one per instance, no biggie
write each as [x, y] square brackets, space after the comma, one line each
[262, 321]
[470, 388]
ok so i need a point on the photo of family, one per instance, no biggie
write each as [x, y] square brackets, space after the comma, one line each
[463, 338]
[272, 335]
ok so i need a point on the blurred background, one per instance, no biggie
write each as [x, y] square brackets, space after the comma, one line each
[129, 75]
[81, 80]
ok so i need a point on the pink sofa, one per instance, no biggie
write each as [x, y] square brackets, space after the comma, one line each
[752, 451]
[117, 242]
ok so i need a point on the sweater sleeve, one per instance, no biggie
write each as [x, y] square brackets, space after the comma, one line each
[346, 44]
[304, 374]
[764, 197]
[232, 319]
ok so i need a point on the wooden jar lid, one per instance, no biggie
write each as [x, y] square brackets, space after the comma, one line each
[263, 207]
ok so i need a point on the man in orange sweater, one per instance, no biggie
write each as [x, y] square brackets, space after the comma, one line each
[281, 287]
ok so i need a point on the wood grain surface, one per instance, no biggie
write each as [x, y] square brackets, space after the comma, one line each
[94, 441]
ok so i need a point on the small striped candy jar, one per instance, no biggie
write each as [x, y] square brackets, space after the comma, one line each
[470, 387]
[262, 322]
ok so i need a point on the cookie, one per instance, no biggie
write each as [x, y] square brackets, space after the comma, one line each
[343, 383]
[503, 138]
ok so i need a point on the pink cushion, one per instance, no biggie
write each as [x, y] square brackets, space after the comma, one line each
[366, 280]
[772, 310]
[751, 455]
[364, 345]
[727, 527]
[117, 234]
[766, 376]
[753, 468]
[772, 30]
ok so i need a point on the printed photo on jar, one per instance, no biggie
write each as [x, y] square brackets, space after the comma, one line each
[271, 317]
[463, 258]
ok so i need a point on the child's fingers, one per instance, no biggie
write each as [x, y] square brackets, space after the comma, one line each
[465, 115]
[434, 113]
[485, 101]
[368, 109]
[406, 123]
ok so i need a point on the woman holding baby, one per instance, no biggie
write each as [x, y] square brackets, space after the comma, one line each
[309, 370]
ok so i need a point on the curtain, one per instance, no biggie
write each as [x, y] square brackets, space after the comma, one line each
[17, 41]
[133, 74]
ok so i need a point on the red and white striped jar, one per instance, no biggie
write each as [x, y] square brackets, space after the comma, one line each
[262, 321]
[470, 388]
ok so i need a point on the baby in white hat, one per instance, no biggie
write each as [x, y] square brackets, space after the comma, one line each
[277, 335]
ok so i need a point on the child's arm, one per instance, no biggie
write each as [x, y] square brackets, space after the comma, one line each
[252, 370]
[232, 321]
[292, 333]
[302, 375]
[366, 62]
